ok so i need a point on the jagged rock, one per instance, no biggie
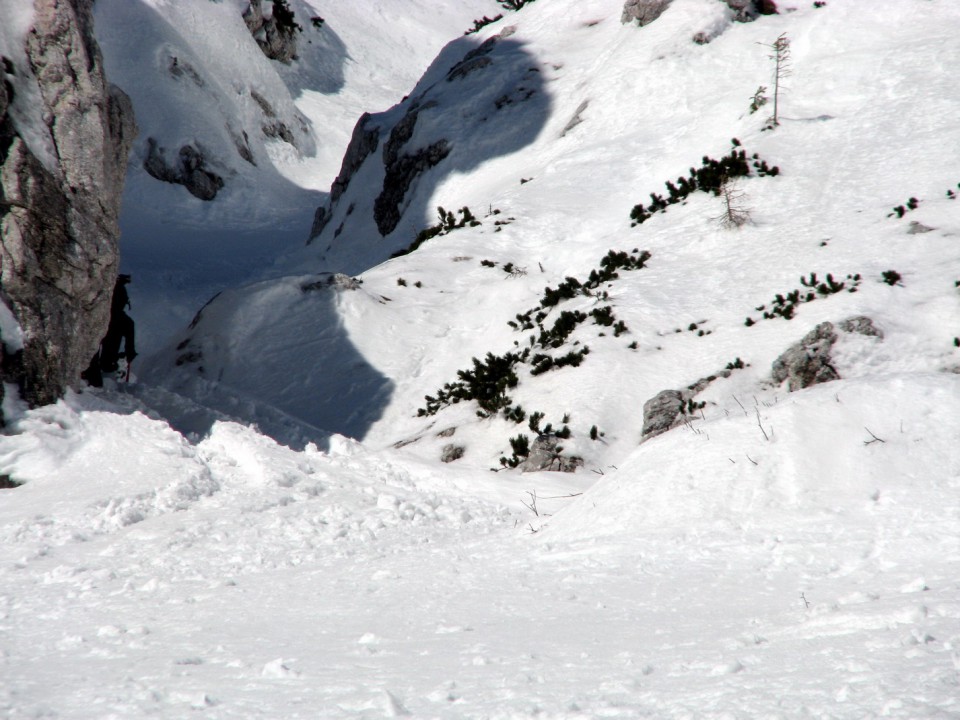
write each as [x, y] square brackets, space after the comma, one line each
[451, 452]
[576, 119]
[664, 410]
[337, 281]
[279, 130]
[476, 59]
[808, 362]
[242, 143]
[189, 170]
[661, 411]
[402, 169]
[276, 35]
[59, 204]
[400, 176]
[643, 12]
[749, 10]
[363, 142]
[918, 228]
[546, 454]
[862, 325]
[321, 217]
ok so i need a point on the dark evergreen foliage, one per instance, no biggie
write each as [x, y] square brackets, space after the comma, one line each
[284, 17]
[891, 277]
[513, 4]
[709, 177]
[447, 224]
[785, 305]
[482, 23]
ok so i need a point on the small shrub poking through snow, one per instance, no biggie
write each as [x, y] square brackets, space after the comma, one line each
[892, 277]
[900, 210]
[448, 223]
[785, 305]
[478, 25]
[709, 177]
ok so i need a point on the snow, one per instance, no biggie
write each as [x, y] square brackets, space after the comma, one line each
[275, 535]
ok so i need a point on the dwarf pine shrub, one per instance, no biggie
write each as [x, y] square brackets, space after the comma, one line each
[709, 177]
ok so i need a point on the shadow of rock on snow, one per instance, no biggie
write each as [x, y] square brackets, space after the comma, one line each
[477, 102]
[276, 354]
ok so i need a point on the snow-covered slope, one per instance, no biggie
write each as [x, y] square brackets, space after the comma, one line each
[775, 553]
[655, 103]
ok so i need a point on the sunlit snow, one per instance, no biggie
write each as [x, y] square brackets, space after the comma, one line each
[276, 536]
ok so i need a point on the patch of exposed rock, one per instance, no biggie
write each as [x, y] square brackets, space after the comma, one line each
[399, 178]
[546, 453]
[403, 168]
[809, 361]
[335, 281]
[58, 211]
[750, 10]
[668, 408]
[363, 143]
[276, 35]
[188, 168]
[476, 59]
[643, 12]
[451, 452]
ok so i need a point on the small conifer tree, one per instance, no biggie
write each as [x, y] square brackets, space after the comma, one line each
[780, 54]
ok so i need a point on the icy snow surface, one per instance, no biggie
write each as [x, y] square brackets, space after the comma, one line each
[775, 555]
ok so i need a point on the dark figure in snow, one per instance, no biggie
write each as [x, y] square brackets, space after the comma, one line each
[119, 329]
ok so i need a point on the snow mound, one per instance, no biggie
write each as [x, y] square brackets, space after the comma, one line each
[858, 452]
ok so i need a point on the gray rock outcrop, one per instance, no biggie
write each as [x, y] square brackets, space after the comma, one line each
[643, 12]
[750, 10]
[809, 361]
[188, 169]
[60, 190]
[451, 452]
[362, 143]
[667, 408]
[403, 168]
[546, 453]
[661, 412]
[276, 35]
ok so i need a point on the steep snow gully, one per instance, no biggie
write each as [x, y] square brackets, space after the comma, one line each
[262, 525]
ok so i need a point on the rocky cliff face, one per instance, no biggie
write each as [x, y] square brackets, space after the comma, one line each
[61, 180]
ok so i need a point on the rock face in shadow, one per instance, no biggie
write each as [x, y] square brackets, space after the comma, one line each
[188, 169]
[64, 139]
